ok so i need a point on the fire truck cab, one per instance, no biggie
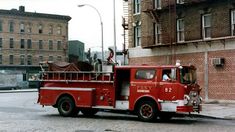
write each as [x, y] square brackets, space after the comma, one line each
[141, 90]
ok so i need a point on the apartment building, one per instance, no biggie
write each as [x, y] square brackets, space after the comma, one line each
[26, 38]
[197, 32]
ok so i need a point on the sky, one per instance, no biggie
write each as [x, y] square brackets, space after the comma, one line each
[85, 23]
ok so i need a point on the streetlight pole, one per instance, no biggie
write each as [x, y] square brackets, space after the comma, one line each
[101, 25]
[114, 30]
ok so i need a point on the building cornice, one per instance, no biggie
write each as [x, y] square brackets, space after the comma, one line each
[15, 12]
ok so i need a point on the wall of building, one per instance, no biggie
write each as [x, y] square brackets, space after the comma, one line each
[216, 82]
[35, 52]
[220, 80]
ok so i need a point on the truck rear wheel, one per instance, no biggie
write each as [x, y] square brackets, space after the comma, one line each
[147, 111]
[89, 111]
[66, 107]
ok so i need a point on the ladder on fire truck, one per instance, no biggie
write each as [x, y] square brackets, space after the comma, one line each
[77, 76]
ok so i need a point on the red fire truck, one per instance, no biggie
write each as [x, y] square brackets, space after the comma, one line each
[141, 90]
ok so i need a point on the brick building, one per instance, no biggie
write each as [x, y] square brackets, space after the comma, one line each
[26, 38]
[198, 32]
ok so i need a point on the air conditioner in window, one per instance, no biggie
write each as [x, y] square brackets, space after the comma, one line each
[218, 61]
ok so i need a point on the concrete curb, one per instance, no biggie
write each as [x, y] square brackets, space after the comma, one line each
[19, 91]
[207, 116]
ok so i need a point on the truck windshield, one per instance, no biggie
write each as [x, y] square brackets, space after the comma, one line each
[188, 75]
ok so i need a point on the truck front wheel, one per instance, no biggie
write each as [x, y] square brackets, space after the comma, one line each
[147, 111]
[66, 107]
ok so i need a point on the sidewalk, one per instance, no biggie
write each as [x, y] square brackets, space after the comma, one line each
[218, 109]
[18, 91]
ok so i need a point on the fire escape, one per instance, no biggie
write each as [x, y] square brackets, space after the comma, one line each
[125, 29]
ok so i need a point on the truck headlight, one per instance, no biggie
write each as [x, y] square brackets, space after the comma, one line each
[186, 99]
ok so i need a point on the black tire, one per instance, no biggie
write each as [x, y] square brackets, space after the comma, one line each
[66, 107]
[89, 111]
[166, 116]
[147, 111]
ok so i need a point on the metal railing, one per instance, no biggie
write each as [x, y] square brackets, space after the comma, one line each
[80, 76]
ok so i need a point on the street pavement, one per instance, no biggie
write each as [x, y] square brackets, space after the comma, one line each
[216, 109]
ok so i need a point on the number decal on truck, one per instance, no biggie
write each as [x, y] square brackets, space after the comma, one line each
[168, 90]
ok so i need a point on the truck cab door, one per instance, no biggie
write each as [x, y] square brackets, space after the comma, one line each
[168, 89]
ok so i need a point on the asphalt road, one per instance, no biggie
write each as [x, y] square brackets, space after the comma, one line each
[19, 112]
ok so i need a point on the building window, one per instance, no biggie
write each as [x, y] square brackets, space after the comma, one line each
[50, 29]
[29, 28]
[11, 26]
[59, 45]
[137, 31]
[50, 58]
[0, 59]
[22, 59]
[59, 58]
[180, 1]
[233, 22]
[157, 4]
[40, 30]
[158, 33]
[40, 58]
[11, 59]
[50, 45]
[206, 26]
[137, 6]
[40, 44]
[0, 43]
[22, 28]
[29, 44]
[22, 43]
[59, 30]
[0, 26]
[180, 30]
[29, 60]
[11, 43]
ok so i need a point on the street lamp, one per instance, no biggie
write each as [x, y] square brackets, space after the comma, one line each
[101, 24]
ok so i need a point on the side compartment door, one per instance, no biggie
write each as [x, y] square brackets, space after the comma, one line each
[142, 84]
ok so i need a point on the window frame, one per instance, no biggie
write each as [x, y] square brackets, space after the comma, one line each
[29, 60]
[206, 27]
[50, 29]
[29, 44]
[50, 44]
[22, 27]
[22, 59]
[11, 43]
[157, 33]
[180, 31]
[11, 27]
[1, 43]
[40, 44]
[22, 43]
[137, 35]
[233, 22]
[158, 4]
[40, 29]
[11, 59]
[137, 6]
[143, 74]
[59, 45]
[59, 30]
[1, 27]
[0, 59]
